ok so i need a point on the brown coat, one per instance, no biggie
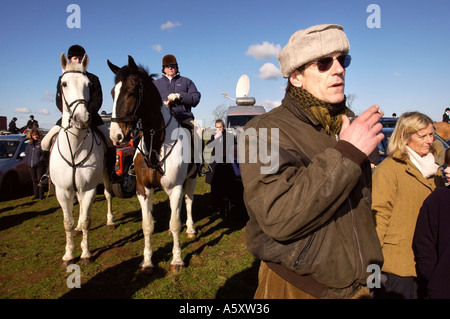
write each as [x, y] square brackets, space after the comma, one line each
[399, 190]
[313, 214]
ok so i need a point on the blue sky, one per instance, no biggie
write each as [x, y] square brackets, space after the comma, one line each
[402, 66]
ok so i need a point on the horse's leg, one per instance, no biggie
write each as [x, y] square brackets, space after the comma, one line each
[86, 201]
[148, 225]
[65, 200]
[175, 196]
[189, 199]
[108, 195]
[77, 231]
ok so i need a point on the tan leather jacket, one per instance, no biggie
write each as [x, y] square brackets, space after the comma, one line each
[313, 215]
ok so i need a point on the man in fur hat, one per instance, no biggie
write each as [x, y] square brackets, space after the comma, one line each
[311, 223]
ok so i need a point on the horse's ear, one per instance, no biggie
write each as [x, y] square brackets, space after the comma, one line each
[114, 68]
[64, 61]
[85, 62]
[132, 64]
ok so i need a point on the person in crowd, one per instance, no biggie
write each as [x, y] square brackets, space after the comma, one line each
[180, 94]
[310, 221]
[222, 174]
[35, 161]
[400, 185]
[431, 242]
[75, 54]
[446, 116]
[32, 123]
[12, 127]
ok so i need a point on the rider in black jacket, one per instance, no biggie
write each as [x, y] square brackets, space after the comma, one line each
[75, 55]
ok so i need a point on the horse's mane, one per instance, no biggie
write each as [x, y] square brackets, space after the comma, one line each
[124, 73]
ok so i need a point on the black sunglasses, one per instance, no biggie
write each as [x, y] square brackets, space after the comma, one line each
[324, 64]
[173, 66]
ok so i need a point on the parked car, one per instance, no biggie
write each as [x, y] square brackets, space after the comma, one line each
[388, 121]
[124, 158]
[14, 173]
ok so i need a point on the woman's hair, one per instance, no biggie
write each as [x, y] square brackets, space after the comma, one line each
[407, 124]
[33, 131]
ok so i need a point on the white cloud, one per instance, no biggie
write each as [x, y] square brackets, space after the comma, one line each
[397, 74]
[169, 25]
[43, 112]
[264, 51]
[49, 96]
[22, 110]
[157, 47]
[269, 72]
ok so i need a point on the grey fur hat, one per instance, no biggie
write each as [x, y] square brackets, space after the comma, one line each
[310, 44]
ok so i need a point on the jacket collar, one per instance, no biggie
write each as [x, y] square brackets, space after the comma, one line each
[411, 169]
[298, 112]
[170, 79]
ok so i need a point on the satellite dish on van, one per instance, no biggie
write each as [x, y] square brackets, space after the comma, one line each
[243, 86]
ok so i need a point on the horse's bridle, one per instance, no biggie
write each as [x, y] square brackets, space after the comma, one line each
[72, 163]
[76, 102]
[133, 118]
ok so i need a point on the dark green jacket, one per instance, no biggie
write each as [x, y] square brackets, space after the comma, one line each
[313, 215]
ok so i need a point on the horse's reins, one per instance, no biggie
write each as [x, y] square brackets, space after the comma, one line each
[66, 130]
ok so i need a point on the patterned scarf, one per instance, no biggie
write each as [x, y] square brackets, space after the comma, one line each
[329, 115]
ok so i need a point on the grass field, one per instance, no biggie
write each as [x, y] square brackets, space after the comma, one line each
[32, 243]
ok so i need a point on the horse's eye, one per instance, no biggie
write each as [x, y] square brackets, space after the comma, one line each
[64, 84]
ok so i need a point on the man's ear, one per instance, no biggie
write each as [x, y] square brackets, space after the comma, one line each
[296, 79]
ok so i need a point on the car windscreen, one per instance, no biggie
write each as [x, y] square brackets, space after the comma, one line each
[239, 120]
[8, 148]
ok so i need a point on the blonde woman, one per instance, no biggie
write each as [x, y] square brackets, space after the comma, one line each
[400, 185]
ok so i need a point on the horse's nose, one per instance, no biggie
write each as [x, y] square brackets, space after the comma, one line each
[119, 137]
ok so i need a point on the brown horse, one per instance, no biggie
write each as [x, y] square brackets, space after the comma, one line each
[443, 129]
[163, 152]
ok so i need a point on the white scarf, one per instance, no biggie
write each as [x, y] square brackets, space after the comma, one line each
[425, 164]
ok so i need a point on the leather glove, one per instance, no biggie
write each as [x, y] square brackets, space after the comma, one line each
[173, 96]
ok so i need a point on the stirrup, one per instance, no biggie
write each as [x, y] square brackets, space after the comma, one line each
[131, 170]
[205, 169]
[43, 181]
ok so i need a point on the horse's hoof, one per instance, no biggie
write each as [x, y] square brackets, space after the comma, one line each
[191, 235]
[176, 268]
[147, 270]
[110, 227]
[77, 232]
[66, 263]
[86, 261]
